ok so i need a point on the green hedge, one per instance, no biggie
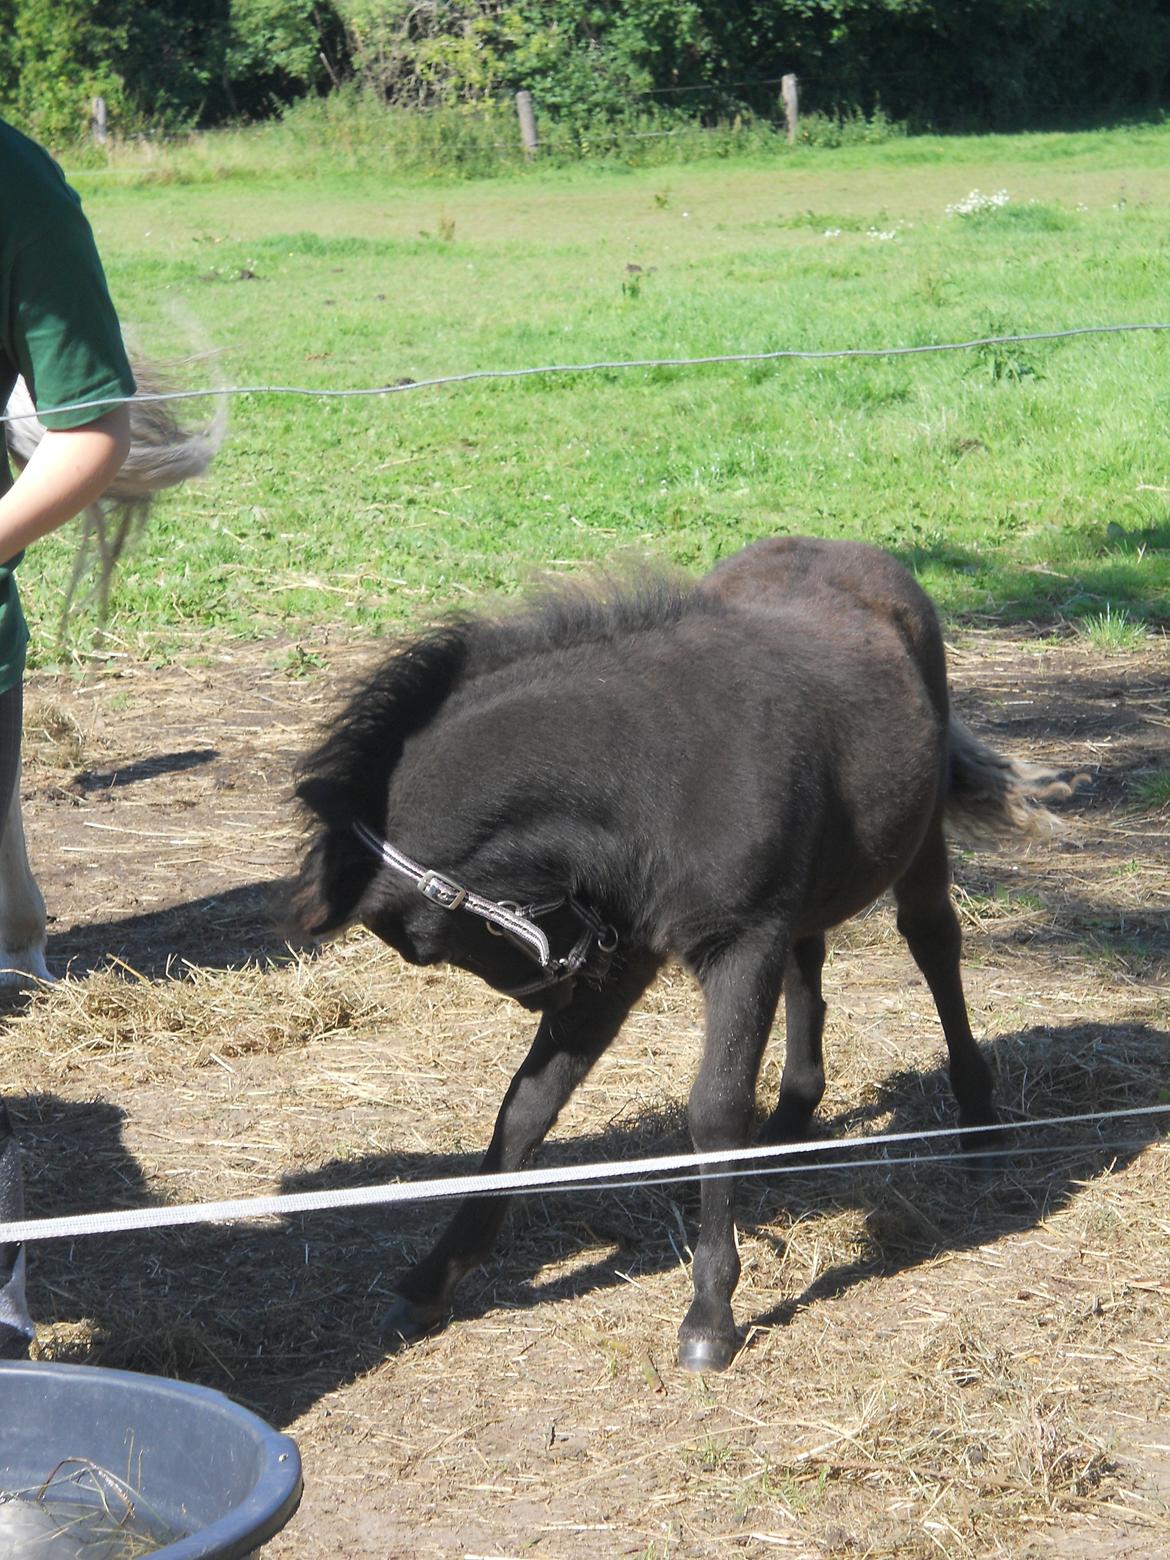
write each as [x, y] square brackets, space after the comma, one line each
[943, 64]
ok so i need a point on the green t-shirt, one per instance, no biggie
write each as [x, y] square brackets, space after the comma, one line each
[58, 328]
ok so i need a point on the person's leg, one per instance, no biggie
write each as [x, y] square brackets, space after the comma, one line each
[16, 1328]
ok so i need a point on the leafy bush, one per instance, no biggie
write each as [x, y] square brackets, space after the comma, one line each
[862, 64]
[163, 65]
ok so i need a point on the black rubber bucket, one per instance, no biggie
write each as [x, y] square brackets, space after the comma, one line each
[110, 1465]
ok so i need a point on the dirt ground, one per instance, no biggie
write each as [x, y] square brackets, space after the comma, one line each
[935, 1366]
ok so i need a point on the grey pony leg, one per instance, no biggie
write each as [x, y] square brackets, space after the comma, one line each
[16, 1327]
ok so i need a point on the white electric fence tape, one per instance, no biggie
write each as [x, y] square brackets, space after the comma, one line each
[759, 1159]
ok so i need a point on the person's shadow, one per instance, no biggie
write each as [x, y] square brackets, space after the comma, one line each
[278, 1314]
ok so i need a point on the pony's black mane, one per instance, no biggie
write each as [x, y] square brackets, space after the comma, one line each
[344, 778]
[568, 614]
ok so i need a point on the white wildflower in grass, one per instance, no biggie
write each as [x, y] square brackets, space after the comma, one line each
[977, 203]
[832, 233]
[883, 234]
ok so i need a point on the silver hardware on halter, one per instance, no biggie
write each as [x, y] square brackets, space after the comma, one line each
[505, 904]
[503, 917]
[441, 891]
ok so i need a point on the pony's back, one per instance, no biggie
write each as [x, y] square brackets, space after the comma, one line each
[850, 585]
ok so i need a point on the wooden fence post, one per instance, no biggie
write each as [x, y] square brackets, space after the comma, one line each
[790, 98]
[527, 123]
[97, 120]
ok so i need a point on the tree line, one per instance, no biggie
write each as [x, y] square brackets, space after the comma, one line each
[169, 65]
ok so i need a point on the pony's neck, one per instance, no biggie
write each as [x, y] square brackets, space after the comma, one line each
[511, 784]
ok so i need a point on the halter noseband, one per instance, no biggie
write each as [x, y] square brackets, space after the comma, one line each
[504, 917]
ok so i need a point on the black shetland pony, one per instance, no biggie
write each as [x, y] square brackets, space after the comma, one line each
[561, 800]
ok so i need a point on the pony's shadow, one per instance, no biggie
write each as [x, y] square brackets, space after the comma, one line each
[939, 1199]
[217, 931]
[936, 1201]
[281, 1314]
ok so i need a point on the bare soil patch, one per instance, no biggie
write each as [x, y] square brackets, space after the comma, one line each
[935, 1367]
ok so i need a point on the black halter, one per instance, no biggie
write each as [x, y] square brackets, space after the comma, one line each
[505, 917]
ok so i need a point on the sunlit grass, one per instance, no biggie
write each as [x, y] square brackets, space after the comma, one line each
[1028, 479]
[1112, 630]
[1153, 790]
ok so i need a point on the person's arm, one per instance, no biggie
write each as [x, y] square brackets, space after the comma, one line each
[69, 468]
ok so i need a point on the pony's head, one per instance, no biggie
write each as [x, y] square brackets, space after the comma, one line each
[343, 781]
[482, 756]
[532, 949]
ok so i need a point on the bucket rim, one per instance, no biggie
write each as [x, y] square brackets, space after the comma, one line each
[273, 1498]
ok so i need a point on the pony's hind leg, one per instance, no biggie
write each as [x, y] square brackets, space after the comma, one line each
[927, 920]
[565, 1047]
[803, 1083]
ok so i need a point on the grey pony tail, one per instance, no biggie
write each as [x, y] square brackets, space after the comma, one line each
[990, 795]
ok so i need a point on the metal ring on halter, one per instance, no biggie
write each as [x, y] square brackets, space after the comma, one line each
[505, 904]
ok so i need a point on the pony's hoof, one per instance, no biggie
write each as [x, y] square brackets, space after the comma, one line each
[405, 1322]
[13, 1343]
[981, 1174]
[984, 1156]
[778, 1130]
[705, 1356]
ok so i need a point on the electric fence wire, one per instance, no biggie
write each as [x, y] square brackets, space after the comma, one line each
[402, 386]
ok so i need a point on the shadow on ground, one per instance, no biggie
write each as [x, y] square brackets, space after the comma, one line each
[223, 931]
[1118, 578]
[279, 1315]
[152, 768]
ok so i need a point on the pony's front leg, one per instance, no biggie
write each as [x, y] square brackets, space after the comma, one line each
[565, 1047]
[22, 909]
[741, 990]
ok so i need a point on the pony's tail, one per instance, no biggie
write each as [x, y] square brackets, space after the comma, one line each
[989, 795]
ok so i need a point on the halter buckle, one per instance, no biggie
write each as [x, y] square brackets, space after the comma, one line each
[442, 891]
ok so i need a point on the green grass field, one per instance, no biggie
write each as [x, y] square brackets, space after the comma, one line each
[1029, 481]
